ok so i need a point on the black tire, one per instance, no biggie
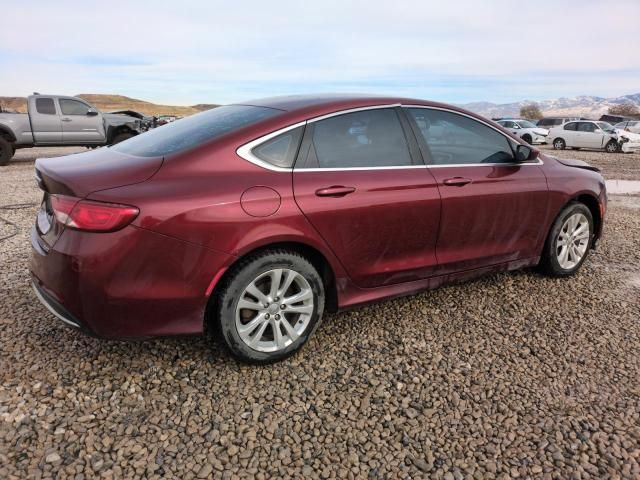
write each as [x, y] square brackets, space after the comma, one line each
[121, 137]
[559, 144]
[527, 138]
[612, 147]
[239, 278]
[575, 148]
[6, 151]
[549, 263]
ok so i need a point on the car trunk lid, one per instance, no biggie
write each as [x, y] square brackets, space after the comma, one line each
[81, 174]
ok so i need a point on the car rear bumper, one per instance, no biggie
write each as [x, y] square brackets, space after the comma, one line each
[132, 283]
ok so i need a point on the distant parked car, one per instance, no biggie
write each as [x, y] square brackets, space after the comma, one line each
[550, 122]
[148, 121]
[613, 119]
[164, 119]
[585, 134]
[632, 126]
[526, 130]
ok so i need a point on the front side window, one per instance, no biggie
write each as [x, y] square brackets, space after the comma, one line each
[280, 151]
[45, 106]
[456, 139]
[193, 131]
[365, 139]
[73, 107]
[606, 127]
[526, 124]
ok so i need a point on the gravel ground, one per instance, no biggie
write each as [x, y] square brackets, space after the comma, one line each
[512, 376]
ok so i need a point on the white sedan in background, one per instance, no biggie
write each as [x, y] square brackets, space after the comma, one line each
[632, 126]
[525, 130]
[591, 134]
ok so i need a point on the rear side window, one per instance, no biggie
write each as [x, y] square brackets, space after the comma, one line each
[586, 127]
[280, 151]
[456, 139]
[45, 106]
[365, 139]
[73, 107]
[571, 126]
[192, 131]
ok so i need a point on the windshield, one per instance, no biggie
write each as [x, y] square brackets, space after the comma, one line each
[606, 127]
[192, 131]
[526, 124]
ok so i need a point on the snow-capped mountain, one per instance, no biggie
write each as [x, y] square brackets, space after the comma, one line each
[582, 106]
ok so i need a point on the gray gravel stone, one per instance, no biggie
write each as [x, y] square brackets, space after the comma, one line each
[510, 376]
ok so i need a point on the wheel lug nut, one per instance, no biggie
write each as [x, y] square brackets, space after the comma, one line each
[266, 305]
[276, 299]
[283, 306]
[266, 315]
[277, 317]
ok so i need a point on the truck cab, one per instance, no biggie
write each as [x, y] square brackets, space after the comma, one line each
[57, 120]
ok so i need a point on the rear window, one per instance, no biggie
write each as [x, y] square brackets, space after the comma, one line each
[193, 131]
[45, 106]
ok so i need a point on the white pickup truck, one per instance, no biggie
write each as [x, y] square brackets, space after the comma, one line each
[56, 120]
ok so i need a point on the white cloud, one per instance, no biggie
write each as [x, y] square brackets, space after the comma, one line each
[221, 51]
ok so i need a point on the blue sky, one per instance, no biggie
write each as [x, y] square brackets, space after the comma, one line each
[220, 52]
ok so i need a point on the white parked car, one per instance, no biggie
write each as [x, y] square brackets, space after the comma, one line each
[632, 126]
[525, 130]
[591, 134]
[550, 122]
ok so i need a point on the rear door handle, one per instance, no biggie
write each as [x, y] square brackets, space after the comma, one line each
[335, 191]
[457, 181]
[65, 119]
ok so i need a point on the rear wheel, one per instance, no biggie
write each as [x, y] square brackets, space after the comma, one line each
[269, 306]
[559, 144]
[568, 242]
[6, 151]
[611, 147]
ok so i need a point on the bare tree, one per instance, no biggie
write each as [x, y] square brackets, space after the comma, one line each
[531, 111]
[625, 109]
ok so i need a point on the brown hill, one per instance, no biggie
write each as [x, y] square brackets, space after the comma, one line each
[108, 103]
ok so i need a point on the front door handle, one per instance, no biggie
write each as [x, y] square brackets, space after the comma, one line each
[65, 119]
[457, 181]
[335, 191]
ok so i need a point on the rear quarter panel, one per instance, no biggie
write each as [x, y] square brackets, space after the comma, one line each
[17, 126]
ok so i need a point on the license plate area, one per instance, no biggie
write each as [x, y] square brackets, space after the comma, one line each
[44, 220]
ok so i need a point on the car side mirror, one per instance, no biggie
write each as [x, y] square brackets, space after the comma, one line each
[91, 112]
[525, 153]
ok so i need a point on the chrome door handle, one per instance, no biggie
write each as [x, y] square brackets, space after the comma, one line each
[65, 119]
[457, 181]
[335, 191]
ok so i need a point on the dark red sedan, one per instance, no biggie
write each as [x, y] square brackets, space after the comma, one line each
[253, 219]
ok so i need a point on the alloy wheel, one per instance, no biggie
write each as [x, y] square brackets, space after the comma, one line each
[274, 310]
[572, 241]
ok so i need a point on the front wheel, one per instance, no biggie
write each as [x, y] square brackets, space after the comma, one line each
[559, 144]
[612, 146]
[6, 151]
[568, 242]
[527, 138]
[121, 137]
[269, 306]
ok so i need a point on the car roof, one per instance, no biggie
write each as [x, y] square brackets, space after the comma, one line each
[320, 104]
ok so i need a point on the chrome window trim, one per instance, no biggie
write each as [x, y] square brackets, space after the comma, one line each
[245, 151]
[537, 162]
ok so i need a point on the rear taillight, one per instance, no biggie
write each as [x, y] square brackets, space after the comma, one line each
[92, 216]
